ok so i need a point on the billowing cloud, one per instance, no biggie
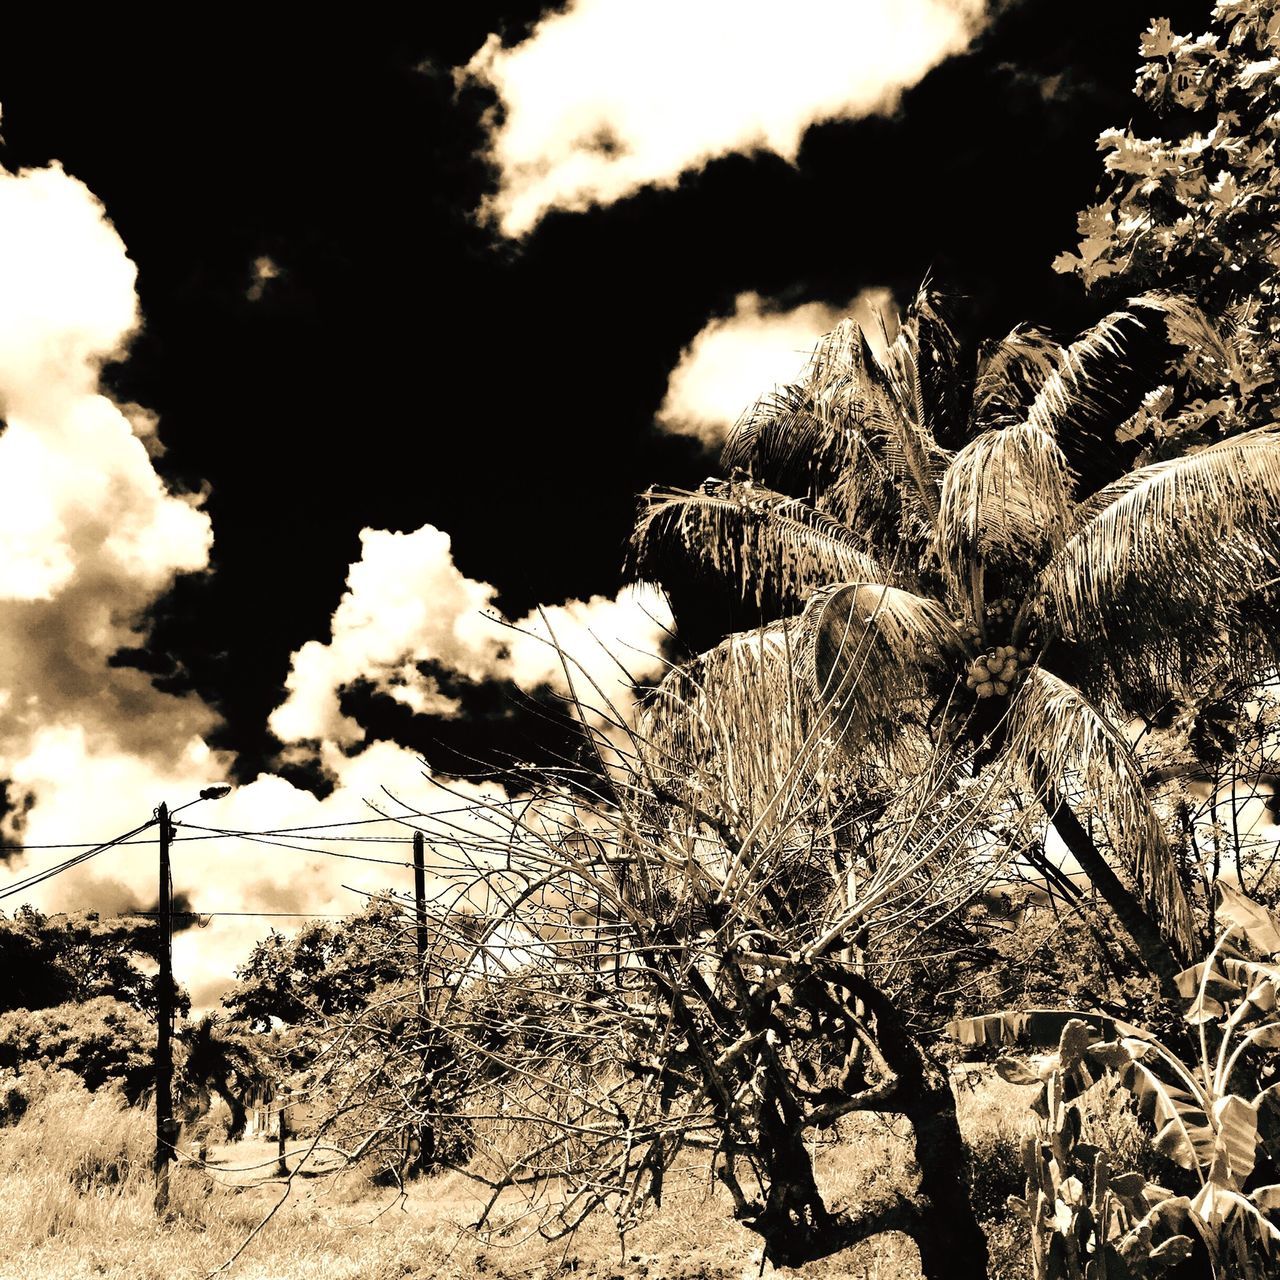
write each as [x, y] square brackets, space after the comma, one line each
[86, 790]
[609, 96]
[407, 604]
[89, 534]
[736, 359]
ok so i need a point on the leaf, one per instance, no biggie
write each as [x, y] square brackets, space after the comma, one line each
[765, 545]
[1031, 1028]
[1185, 1132]
[1169, 533]
[1015, 1071]
[1267, 1105]
[1266, 1198]
[870, 649]
[1058, 732]
[1258, 925]
[1006, 498]
[1236, 1145]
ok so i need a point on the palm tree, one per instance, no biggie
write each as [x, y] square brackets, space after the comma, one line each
[933, 528]
[218, 1062]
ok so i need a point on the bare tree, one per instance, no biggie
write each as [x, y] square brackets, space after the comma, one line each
[693, 953]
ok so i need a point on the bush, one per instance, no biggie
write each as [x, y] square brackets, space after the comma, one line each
[102, 1041]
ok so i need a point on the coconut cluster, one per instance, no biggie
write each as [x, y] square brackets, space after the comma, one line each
[992, 674]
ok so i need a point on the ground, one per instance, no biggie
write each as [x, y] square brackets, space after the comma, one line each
[340, 1227]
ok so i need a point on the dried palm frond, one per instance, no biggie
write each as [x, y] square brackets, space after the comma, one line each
[1006, 498]
[1055, 732]
[772, 547]
[734, 739]
[1199, 528]
[870, 652]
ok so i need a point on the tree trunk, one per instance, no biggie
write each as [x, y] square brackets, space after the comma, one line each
[951, 1243]
[1153, 947]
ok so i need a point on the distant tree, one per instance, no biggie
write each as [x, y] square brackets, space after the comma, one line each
[75, 957]
[325, 969]
[1197, 209]
[217, 1061]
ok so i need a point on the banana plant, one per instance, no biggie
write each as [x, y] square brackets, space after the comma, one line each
[1217, 1117]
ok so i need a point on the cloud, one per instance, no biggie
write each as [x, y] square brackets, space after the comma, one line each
[735, 360]
[609, 96]
[407, 603]
[89, 538]
[89, 533]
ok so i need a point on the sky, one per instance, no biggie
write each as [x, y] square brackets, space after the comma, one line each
[332, 360]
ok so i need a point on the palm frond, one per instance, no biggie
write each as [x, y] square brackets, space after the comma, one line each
[870, 652]
[1188, 327]
[727, 730]
[934, 379]
[920, 378]
[1202, 528]
[1005, 500]
[1055, 731]
[771, 548]
[1010, 372]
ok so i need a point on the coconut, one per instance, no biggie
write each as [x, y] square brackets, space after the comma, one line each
[1001, 688]
[986, 688]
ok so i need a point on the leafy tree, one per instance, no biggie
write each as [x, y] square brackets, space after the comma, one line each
[101, 1040]
[76, 957]
[216, 1061]
[1198, 207]
[924, 517]
[325, 969]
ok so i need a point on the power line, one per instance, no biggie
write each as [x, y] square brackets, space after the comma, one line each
[39, 877]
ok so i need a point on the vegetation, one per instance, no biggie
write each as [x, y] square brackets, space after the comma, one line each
[976, 712]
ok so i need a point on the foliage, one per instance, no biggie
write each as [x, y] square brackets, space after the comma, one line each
[1002, 591]
[76, 957]
[103, 1041]
[217, 1062]
[324, 970]
[1218, 1119]
[1198, 207]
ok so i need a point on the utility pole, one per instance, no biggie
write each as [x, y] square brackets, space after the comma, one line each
[420, 906]
[164, 1019]
[282, 1167]
[426, 1132]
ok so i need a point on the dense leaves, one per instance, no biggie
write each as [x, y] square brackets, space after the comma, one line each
[49, 960]
[324, 970]
[1198, 206]
[101, 1040]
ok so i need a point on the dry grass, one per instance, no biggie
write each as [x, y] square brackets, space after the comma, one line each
[75, 1178]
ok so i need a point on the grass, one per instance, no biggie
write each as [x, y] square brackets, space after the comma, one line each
[76, 1183]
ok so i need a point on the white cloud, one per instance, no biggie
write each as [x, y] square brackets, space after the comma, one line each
[89, 534]
[88, 791]
[735, 360]
[407, 603]
[614, 95]
[90, 537]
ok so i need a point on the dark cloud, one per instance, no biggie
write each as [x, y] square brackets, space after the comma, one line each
[405, 368]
